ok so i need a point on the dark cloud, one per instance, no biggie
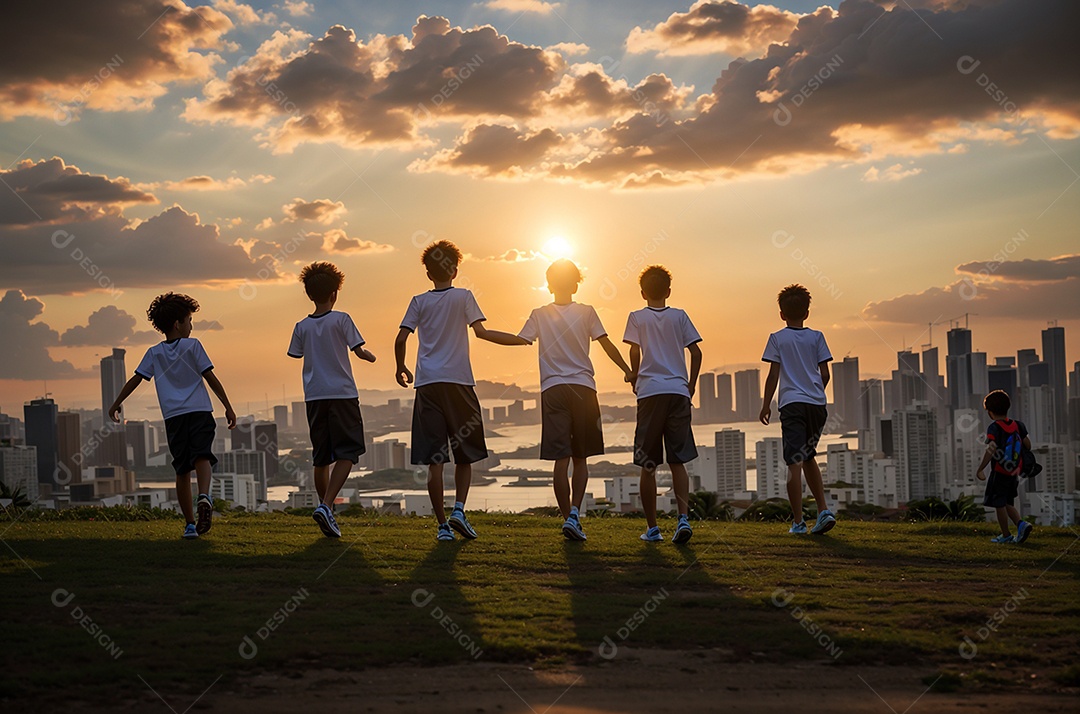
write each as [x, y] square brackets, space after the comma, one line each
[61, 56]
[321, 210]
[26, 352]
[712, 27]
[336, 240]
[108, 326]
[1027, 270]
[493, 150]
[71, 237]
[207, 183]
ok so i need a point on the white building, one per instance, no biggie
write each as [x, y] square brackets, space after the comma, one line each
[18, 469]
[730, 453]
[245, 461]
[1055, 476]
[624, 492]
[303, 499]
[916, 453]
[702, 470]
[772, 472]
[238, 489]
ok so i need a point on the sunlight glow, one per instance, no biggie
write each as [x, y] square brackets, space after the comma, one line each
[558, 247]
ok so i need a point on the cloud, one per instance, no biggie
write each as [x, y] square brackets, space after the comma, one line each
[1024, 290]
[298, 8]
[569, 48]
[26, 354]
[71, 236]
[245, 14]
[534, 6]
[321, 210]
[711, 27]
[493, 150]
[62, 57]
[896, 172]
[108, 326]
[336, 241]
[514, 256]
[207, 183]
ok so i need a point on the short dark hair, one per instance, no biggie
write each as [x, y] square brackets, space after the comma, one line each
[321, 280]
[997, 402]
[168, 309]
[655, 281]
[563, 273]
[794, 301]
[441, 258]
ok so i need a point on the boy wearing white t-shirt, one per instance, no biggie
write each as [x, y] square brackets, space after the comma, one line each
[799, 362]
[446, 410]
[324, 340]
[178, 367]
[658, 335]
[570, 410]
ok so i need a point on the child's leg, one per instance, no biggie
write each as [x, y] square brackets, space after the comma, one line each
[183, 495]
[581, 481]
[435, 491]
[813, 479]
[1003, 519]
[561, 481]
[338, 476]
[1014, 515]
[647, 488]
[462, 481]
[794, 491]
[203, 471]
[322, 480]
[680, 480]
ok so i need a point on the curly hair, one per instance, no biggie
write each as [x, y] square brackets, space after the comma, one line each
[441, 259]
[794, 301]
[655, 281]
[321, 280]
[168, 309]
[997, 402]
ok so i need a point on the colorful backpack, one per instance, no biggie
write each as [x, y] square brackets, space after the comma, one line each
[1010, 452]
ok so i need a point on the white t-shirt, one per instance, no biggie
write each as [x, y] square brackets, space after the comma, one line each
[799, 350]
[441, 320]
[663, 334]
[325, 341]
[177, 368]
[564, 332]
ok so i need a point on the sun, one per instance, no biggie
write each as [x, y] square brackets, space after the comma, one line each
[558, 247]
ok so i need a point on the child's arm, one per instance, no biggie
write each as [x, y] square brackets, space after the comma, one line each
[499, 338]
[616, 356]
[824, 367]
[635, 364]
[770, 389]
[403, 375]
[131, 385]
[695, 366]
[991, 447]
[215, 385]
[363, 354]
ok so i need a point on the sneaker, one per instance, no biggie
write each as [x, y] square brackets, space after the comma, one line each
[1003, 539]
[683, 531]
[1023, 530]
[444, 532]
[798, 528]
[824, 523]
[325, 518]
[204, 514]
[190, 532]
[460, 523]
[652, 535]
[572, 529]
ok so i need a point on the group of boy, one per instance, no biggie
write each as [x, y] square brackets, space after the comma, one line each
[447, 419]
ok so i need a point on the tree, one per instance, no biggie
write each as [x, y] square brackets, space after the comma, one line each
[18, 498]
[707, 506]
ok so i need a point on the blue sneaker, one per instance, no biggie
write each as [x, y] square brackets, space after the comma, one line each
[1003, 539]
[825, 521]
[190, 532]
[798, 528]
[652, 535]
[572, 529]
[1023, 530]
[460, 523]
[444, 532]
[325, 518]
[204, 514]
[683, 531]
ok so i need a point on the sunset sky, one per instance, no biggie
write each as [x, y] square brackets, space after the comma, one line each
[909, 163]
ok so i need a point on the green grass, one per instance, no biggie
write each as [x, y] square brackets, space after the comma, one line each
[179, 611]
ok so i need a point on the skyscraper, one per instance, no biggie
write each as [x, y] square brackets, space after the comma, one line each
[846, 392]
[958, 368]
[18, 468]
[281, 418]
[1003, 378]
[707, 396]
[725, 404]
[69, 456]
[266, 440]
[730, 462]
[112, 450]
[1053, 345]
[772, 472]
[40, 418]
[747, 394]
[915, 444]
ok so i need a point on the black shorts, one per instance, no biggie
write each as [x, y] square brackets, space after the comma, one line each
[337, 431]
[1000, 490]
[801, 425]
[190, 437]
[663, 425]
[571, 422]
[446, 419]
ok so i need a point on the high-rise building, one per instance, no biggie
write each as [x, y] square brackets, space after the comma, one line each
[730, 462]
[266, 441]
[1002, 377]
[69, 456]
[845, 384]
[1055, 476]
[707, 397]
[299, 416]
[243, 436]
[725, 404]
[1053, 345]
[935, 383]
[1024, 358]
[1039, 413]
[40, 418]
[139, 441]
[19, 468]
[238, 489]
[871, 402]
[112, 449]
[11, 427]
[915, 442]
[958, 368]
[245, 461]
[772, 472]
[281, 418]
[907, 361]
[747, 394]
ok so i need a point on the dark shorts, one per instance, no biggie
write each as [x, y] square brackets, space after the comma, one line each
[337, 431]
[1000, 490]
[571, 422]
[446, 419]
[663, 426]
[190, 437]
[801, 425]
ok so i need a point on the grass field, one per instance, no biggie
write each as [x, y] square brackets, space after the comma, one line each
[174, 614]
